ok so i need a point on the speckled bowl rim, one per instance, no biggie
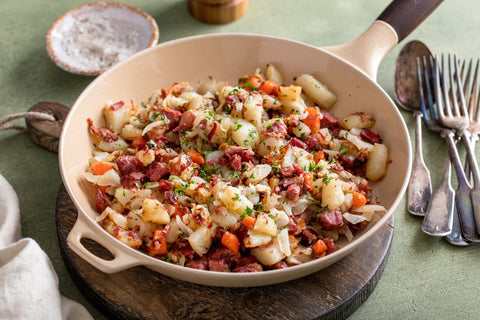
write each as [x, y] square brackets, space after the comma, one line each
[95, 71]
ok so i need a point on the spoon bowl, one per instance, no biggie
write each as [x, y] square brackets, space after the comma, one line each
[408, 97]
[406, 82]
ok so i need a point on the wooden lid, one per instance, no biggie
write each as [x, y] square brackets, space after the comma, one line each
[217, 11]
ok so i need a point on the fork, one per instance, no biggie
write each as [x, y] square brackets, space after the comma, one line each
[473, 109]
[456, 237]
[455, 116]
[439, 216]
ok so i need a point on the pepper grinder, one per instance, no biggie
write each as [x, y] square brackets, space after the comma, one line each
[217, 11]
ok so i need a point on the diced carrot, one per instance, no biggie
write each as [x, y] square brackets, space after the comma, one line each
[319, 155]
[196, 156]
[313, 119]
[176, 90]
[269, 87]
[358, 200]
[100, 167]
[231, 241]
[320, 248]
[249, 221]
[252, 83]
[308, 180]
[159, 243]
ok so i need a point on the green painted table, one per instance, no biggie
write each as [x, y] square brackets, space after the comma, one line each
[424, 278]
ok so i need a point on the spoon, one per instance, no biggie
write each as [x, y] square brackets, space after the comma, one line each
[407, 96]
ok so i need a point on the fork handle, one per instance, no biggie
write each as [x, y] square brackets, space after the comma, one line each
[405, 15]
[462, 196]
[420, 185]
[438, 219]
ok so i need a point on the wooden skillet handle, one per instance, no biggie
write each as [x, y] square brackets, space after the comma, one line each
[406, 15]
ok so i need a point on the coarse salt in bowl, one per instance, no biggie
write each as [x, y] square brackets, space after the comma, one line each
[91, 38]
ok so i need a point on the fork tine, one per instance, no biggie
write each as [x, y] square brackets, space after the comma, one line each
[429, 74]
[474, 99]
[421, 86]
[459, 81]
[466, 83]
[425, 90]
[441, 95]
[453, 91]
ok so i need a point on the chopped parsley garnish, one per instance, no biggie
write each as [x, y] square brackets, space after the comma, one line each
[207, 171]
[343, 149]
[236, 126]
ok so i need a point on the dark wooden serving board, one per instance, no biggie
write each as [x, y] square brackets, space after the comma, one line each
[139, 293]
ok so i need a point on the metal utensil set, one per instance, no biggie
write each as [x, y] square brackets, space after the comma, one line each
[449, 101]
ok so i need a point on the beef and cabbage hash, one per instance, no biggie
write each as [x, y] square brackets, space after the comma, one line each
[248, 177]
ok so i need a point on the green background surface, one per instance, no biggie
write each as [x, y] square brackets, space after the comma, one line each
[425, 277]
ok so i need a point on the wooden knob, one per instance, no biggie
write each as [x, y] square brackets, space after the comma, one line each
[217, 11]
[47, 133]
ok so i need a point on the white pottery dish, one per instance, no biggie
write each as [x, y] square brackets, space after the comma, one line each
[93, 37]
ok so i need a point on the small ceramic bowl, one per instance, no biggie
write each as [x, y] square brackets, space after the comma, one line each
[93, 37]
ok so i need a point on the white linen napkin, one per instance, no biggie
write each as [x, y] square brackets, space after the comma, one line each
[28, 282]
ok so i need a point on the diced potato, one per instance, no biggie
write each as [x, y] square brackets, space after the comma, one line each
[244, 133]
[270, 200]
[359, 120]
[316, 91]
[296, 106]
[130, 132]
[291, 93]
[220, 135]
[303, 157]
[269, 146]
[234, 200]
[146, 157]
[332, 194]
[377, 162]
[154, 211]
[297, 155]
[266, 225]
[116, 118]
